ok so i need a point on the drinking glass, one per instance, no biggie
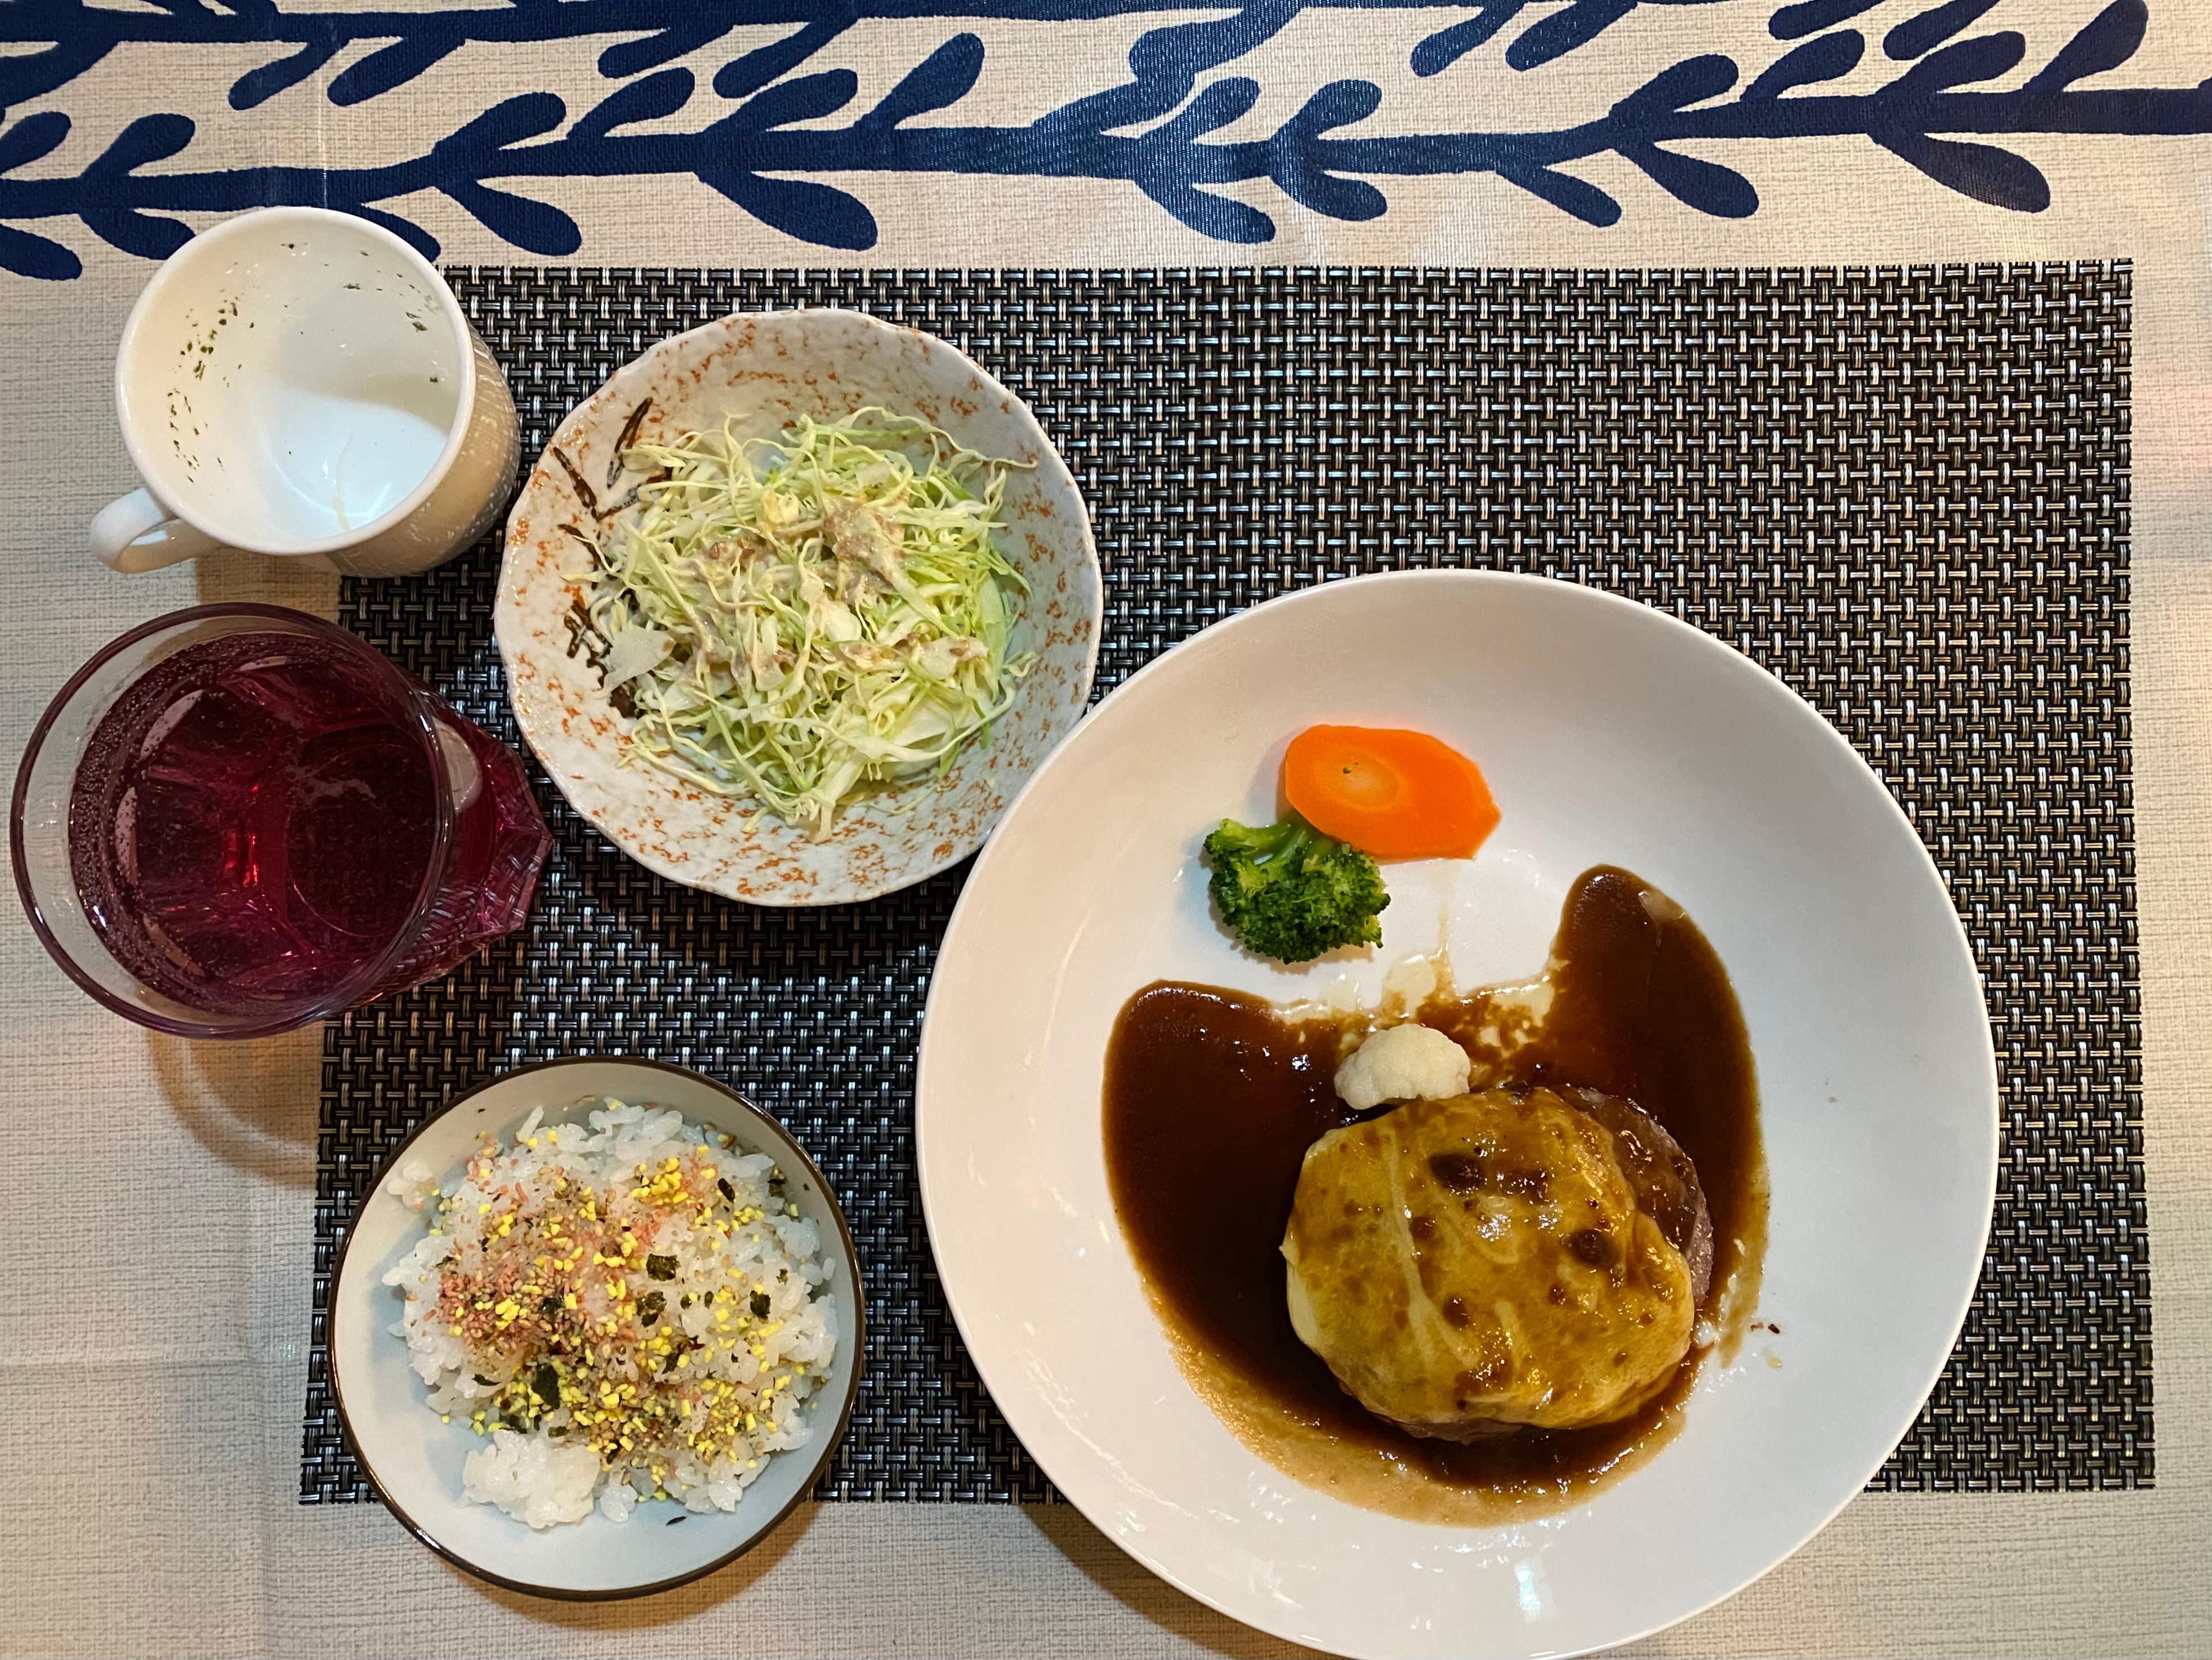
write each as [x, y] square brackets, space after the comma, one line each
[275, 824]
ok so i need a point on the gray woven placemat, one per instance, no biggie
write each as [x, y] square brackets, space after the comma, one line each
[1904, 491]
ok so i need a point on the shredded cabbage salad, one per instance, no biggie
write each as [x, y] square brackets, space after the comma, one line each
[801, 619]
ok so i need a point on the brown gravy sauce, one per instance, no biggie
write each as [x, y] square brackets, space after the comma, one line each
[1213, 1098]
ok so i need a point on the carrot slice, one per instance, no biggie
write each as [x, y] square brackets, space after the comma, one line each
[1393, 793]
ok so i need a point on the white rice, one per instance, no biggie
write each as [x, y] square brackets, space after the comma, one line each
[683, 1330]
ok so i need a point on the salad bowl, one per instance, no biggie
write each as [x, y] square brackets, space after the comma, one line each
[761, 373]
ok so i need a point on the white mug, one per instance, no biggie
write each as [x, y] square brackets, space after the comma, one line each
[302, 383]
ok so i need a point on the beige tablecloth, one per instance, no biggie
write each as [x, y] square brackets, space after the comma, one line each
[155, 1217]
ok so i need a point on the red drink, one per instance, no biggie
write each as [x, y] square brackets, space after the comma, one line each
[268, 823]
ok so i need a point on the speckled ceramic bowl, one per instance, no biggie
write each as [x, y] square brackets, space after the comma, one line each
[768, 368]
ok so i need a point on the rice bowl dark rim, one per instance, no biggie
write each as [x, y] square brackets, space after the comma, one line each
[821, 1450]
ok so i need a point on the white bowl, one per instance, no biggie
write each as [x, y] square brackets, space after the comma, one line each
[770, 368]
[1609, 733]
[414, 1461]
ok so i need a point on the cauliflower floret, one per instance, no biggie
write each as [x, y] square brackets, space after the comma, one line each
[1403, 1063]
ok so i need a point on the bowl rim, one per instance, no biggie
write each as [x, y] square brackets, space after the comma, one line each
[1173, 661]
[1085, 545]
[824, 1445]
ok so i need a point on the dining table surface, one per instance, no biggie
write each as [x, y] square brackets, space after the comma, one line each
[157, 1216]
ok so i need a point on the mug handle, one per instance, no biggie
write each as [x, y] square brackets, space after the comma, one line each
[135, 533]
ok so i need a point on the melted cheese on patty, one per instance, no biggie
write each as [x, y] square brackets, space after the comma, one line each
[1479, 1262]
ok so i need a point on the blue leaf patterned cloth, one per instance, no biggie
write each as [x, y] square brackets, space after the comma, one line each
[846, 129]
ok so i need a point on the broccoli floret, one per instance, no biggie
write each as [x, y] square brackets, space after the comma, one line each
[1292, 893]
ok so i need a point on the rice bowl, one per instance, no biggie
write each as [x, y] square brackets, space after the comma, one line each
[482, 1479]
